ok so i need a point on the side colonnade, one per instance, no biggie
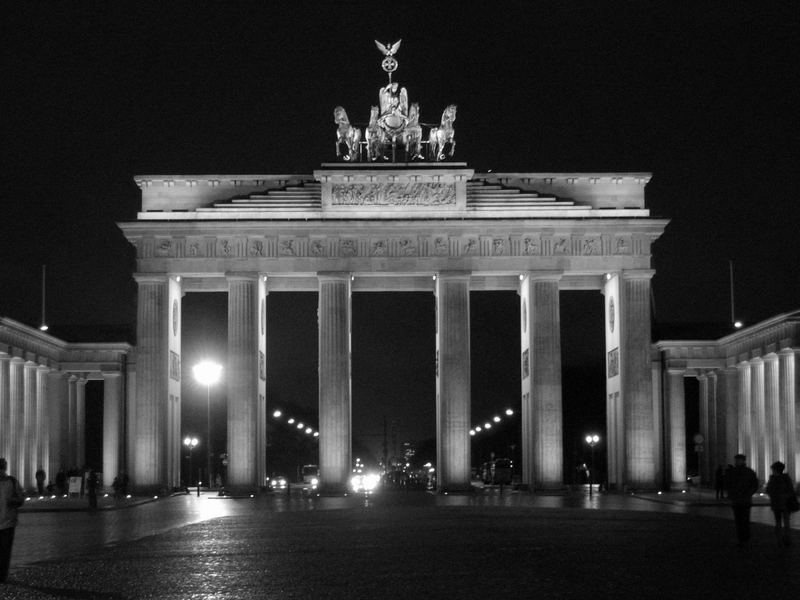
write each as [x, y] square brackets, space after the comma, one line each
[749, 400]
[43, 402]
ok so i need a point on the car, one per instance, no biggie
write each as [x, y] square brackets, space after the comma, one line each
[278, 482]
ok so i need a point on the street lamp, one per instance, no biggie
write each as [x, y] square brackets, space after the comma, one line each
[592, 440]
[190, 444]
[208, 373]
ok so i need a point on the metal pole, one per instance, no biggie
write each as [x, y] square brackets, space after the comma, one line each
[591, 471]
[208, 433]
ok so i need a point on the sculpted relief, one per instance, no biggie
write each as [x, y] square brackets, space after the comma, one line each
[320, 246]
[393, 194]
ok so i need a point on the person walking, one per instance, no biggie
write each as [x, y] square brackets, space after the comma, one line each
[11, 498]
[742, 484]
[781, 498]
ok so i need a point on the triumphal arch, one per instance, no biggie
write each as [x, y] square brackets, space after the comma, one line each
[395, 213]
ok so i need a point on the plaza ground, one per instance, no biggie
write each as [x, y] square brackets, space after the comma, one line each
[402, 545]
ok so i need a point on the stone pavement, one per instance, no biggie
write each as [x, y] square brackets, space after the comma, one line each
[399, 545]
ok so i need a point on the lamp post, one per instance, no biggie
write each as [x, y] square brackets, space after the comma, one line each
[208, 373]
[191, 443]
[592, 440]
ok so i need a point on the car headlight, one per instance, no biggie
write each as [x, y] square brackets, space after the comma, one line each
[314, 481]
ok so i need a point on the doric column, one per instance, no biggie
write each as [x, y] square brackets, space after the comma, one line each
[705, 429]
[261, 412]
[335, 408]
[80, 421]
[713, 458]
[31, 425]
[242, 380]
[149, 458]
[541, 361]
[57, 422]
[112, 426]
[775, 443]
[745, 418]
[16, 412]
[759, 444]
[5, 406]
[42, 422]
[615, 417]
[172, 431]
[452, 381]
[728, 414]
[72, 422]
[640, 434]
[676, 428]
[789, 394]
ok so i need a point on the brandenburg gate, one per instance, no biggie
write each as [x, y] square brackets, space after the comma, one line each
[437, 227]
[395, 214]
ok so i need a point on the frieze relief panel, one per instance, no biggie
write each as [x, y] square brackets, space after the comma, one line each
[393, 194]
[320, 246]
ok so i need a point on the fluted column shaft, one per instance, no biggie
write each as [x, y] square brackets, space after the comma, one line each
[676, 428]
[775, 442]
[31, 425]
[42, 425]
[5, 406]
[112, 426]
[745, 417]
[149, 458]
[713, 458]
[72, 422]
[759, 443]
[789, 394]
[543, 415]
[80, 422]
[242, 380]
[705, 429]
[335, 403]
[453, 393]
[637, 391]
[16, 412]
[728, 412]
[57, 422]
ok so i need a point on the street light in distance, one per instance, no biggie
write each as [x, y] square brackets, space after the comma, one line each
[592, 439]
[208, 373]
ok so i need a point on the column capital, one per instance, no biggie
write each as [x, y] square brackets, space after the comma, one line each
[544, 275]
[111, 374]
[334, 275]
[245, 276]
[150, 277]
[466, 275]
[631, 274]
[676, 371]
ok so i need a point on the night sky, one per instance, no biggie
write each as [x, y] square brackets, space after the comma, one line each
[704, 98]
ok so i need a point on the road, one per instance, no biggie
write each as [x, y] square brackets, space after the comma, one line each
[399, 545]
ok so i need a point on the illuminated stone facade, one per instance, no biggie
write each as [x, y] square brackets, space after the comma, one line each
[439, 228]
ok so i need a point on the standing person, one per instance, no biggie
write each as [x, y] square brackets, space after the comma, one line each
[742, 484]
[40, 477]
[91, 486]
[781, 494]
[11, 499]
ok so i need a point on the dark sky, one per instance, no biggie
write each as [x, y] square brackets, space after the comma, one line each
[705, 98]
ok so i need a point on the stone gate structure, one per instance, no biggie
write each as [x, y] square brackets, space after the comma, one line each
[435, 227]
